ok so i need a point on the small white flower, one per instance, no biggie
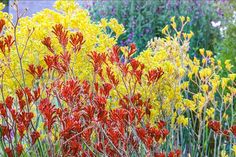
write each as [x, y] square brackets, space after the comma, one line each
[215, 24]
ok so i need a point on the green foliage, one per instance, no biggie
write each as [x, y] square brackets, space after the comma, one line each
[227, 48]
[144, 20]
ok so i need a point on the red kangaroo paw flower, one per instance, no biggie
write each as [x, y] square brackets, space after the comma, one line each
[5, 131]
[106, 89]
[47, 42]
[36, 94]
[22, 104]
[114, 56]
[233, 130]
[214, 125]
[77, 40]
[61, 34]
[161, 124]
[34, 136]
[19, 93]
[161, 154]
[164, 133]
[19, 149]
[111, 77]
[48, 111]
[9, 152]
[3, 111]
[132, 50]
[9, 102]
[39, 71]
[226, 134]
[2, 47]
[141, 132]
[8, 41]
[2, 23]
[154, 75]
[31, 69]
[50, 60]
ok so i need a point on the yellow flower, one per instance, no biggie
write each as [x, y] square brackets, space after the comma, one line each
[2, 6]
[182, 120]
[116, 27]
[202, 51]
[232, 77]
[223, 153]
[209, 53]
[165, 29]
[234, 149]
[190, 35]
[204, 87]
[206, 72]
[172, 19]
[182, 18]
[188, 19]
[225, 116]
[228, 66]
[103, 22]
[224, 82]
[173, 25]
[210, 112]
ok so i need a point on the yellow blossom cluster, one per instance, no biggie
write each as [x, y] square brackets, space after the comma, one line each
[30, 32]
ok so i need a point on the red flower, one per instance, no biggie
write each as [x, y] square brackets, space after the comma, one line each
[97, 60]
[19, 149]
[70, 92]
[3, 111]
[100, 101]
[50, 60]
[114, 56]
[21, 104]
[34, 136]
[161, 124]
[9, 102]
[111, 77]
[159, 154]
[61, 34]
[175, 153]
[2, 47]
[27, 91]
[21, 129]
[2, 23]
[31, 69]
[106, 89]
[36, 94]
[8, 41]
[63, 66]
[99, 147]
[141, 132]
[36, 72]
[76, 41]
[5, 131]
[135, 64]
[233, 129]
[48, 111]
[226, 134]
[19, 94]
[39, 72]
[214, 125]
[47, 42]
[157, 135]
[132, 50]
[164, 133]
[154, 75]
[9, 152]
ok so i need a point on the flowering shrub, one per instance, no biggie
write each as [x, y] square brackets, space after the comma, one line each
[68, 90]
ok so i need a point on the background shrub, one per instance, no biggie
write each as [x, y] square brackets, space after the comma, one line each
[144, 20]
